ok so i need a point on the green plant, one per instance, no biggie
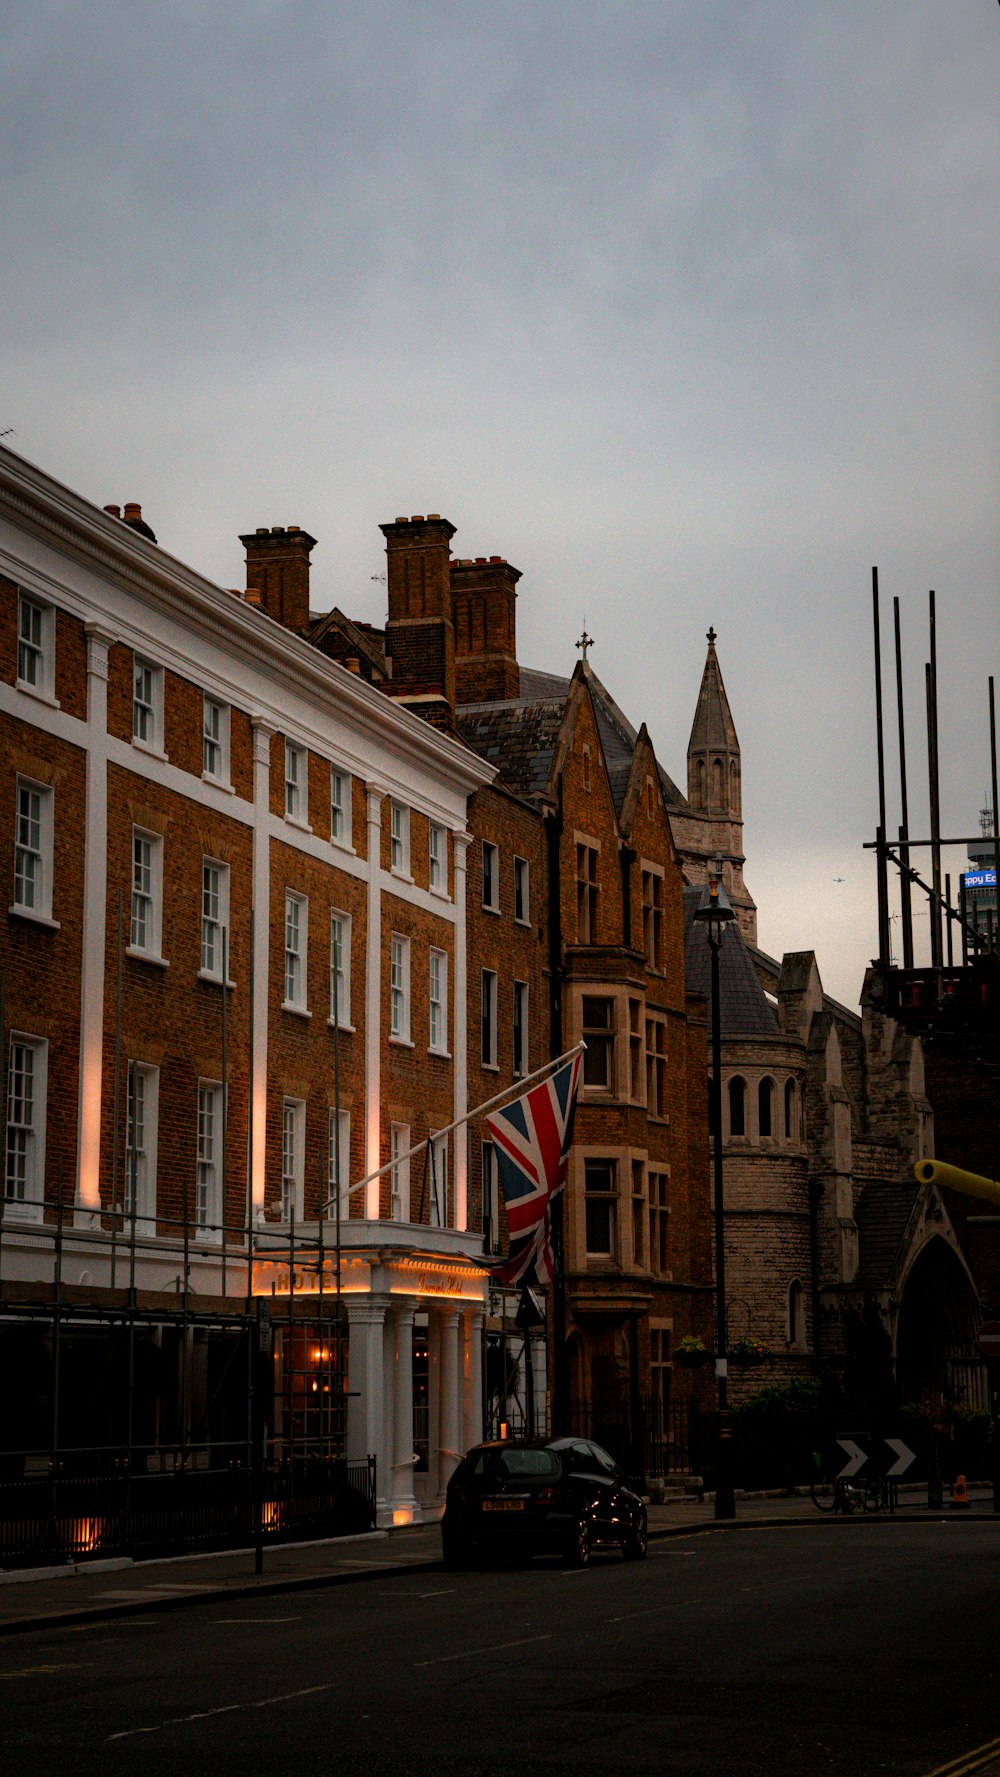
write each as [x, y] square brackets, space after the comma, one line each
[691, 1351]
[749, 1351]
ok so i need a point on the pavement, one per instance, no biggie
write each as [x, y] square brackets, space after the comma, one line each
[90, 1591]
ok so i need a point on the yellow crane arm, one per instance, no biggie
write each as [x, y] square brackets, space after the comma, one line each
[973, 1184]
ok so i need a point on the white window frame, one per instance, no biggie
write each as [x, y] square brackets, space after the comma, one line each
[491, 876]
[341, 1013]
[437, 1001]
[140, 1167]
[296, 783]
[521, 1000]
[147, 711]
[399, 1177]
[296, 953]
[437, 1182]
[28, 1205]
[488, 1018]
[208, 1160]
[437, 859]
[399, 988]
[293, 1158]
[34, 840]
[399, 838]
[341, 808]
[345, 1158]
[214, 926]
[36, 649]
[522, 891]
[215, 731]
[490, 1191]
[151, 894]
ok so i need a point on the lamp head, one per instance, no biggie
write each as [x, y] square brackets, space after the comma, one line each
[715, 910]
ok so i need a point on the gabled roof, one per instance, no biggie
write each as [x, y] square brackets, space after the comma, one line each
[713, 729]
[746, 1010]
[518, 738]
[883, 1213]
[366, 648]
[618, 737]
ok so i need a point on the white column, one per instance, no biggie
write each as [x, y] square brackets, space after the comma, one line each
[402, 1498]
[366, 1396]
[473, 1392]
[450, 1420]
[461, 841]
[262, 736]
[95, 902]
[373, 1003]
[433, 1402]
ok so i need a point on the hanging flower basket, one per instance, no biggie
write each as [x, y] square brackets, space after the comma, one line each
[747, 1353]
[691, 1353]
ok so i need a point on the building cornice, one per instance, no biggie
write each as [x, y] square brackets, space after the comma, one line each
[107, 547]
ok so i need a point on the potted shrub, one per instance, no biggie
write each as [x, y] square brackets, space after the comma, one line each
[691, 1352]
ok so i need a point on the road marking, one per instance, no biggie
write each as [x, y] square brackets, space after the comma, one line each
[179, 1721]
[220, 1622]
[968, 1761]
[473, 1653]
[448, 1593]
[655, 1609]
[30, 1671]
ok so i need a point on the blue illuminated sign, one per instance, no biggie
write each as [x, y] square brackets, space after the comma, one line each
[980, 879]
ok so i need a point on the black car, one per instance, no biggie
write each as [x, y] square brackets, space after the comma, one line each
[561, 1496]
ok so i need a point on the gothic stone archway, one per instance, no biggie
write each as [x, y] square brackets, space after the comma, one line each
[936, 1330]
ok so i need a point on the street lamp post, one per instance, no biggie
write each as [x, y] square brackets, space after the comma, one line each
[715, 912]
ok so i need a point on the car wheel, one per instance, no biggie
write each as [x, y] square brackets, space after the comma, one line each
[634, 1546]
[578, 1553]
[454, 1554]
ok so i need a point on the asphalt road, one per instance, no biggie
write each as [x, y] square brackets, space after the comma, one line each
[830, 1648]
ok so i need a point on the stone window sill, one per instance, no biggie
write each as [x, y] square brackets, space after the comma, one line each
[298, 1011]
[38, 692]
[146, 956]
[34, 918]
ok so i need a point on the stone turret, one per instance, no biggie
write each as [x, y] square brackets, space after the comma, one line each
[712, 821]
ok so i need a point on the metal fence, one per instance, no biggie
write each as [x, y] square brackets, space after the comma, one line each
[99, 1503]
[656, 1440]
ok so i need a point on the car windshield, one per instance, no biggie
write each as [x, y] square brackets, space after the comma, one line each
[513, 1464]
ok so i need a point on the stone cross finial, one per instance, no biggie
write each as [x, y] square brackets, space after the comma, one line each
[585, 641]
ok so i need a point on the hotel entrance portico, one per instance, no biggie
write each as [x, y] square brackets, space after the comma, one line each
[391, 1289]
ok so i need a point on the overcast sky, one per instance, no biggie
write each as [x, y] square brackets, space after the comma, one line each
[690, 309]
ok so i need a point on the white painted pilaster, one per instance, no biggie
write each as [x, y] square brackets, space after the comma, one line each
[95, 901]
[461, 842]
[433, 1402]
[262, 735]
[373, 1003]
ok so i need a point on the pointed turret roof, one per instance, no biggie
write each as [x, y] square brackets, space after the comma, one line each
[713, 729]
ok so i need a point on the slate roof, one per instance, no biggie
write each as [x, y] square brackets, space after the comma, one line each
[518, 737]
[713, 729]
[883, 1213]
[618, 738]
[746, 1010]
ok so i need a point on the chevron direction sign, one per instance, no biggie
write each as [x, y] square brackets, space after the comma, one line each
[878, 1455]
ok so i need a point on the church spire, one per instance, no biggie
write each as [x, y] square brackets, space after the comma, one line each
[713, 749]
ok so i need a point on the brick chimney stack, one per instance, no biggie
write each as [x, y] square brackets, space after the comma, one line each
[484, 596]
[278, 573]
[420, 633]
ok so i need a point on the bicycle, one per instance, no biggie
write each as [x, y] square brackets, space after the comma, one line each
[839, 1495]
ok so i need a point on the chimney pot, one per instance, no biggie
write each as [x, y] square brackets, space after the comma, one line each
[433, 517]
[353, 664]
[115, 511]
[251, 596]
[417, 518]
[480, 558]
[132, 510]
[277, 530]
[496, 558]
[262, 530]
[401, 520]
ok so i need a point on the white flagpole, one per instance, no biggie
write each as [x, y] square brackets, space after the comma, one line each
[515, 1091]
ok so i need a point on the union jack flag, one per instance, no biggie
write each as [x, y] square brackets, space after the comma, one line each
[532, 1138]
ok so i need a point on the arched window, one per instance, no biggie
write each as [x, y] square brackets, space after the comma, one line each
[699, 784]
[734, 786]
[765, 1108]
[737, 1106]
[791, 1129]
[718, 799]
[796, 1313]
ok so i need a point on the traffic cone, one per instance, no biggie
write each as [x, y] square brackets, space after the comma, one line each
[960, 1492]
